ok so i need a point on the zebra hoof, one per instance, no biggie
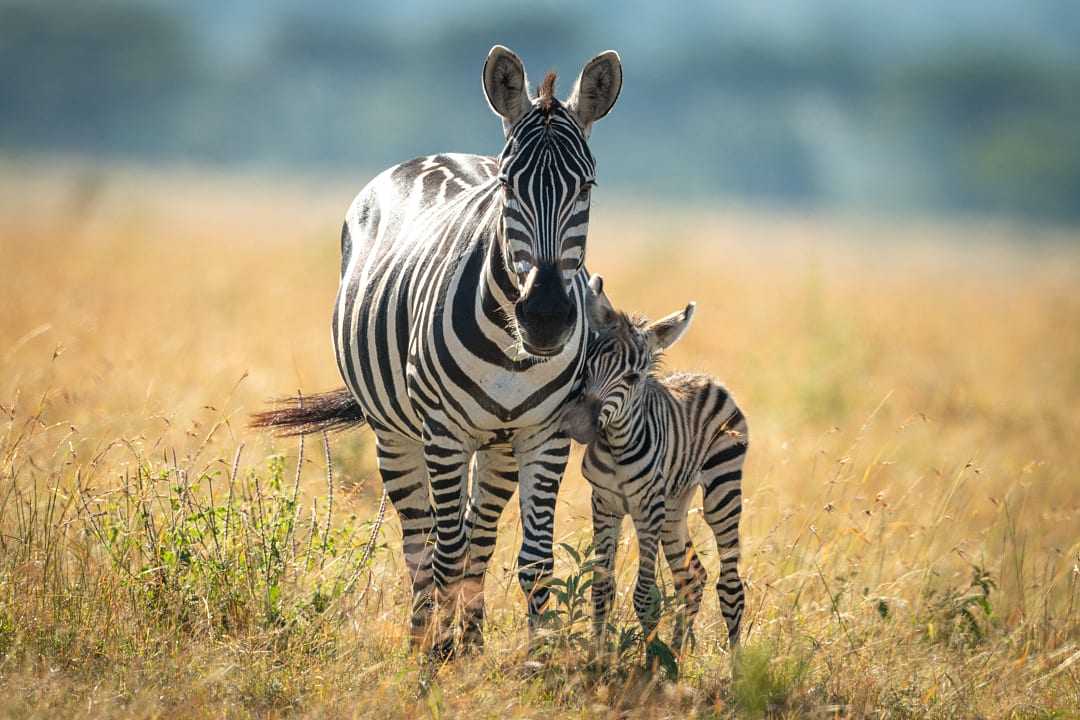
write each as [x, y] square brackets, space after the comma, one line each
[531, 668]
[442, 650]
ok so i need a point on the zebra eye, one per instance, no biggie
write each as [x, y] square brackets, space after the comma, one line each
[632, 377]
[584, 194]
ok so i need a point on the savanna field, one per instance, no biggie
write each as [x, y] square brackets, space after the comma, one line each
[911, 527]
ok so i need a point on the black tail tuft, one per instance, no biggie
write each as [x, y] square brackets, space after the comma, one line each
[329, 411]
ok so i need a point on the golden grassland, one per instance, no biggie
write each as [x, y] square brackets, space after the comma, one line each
[911, 528]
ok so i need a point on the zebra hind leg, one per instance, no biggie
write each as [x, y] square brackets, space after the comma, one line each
[688, 574]
[495, 479]
[404, 476]
[723, 507]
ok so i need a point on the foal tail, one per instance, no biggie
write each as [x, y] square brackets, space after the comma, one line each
[324, 412]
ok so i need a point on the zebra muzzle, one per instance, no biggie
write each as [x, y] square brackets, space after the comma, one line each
[546, 314]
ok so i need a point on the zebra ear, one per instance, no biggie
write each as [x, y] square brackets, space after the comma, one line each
[602, 314]
[597, 89]
[506, 86]
[666, 331]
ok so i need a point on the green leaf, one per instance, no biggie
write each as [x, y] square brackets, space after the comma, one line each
[659, 652]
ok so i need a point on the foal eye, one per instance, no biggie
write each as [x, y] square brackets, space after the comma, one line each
[632, 377]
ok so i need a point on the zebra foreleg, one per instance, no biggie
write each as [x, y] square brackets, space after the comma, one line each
[541, 460]
[495, 479]
[447, 461]
[646, 594]
[404, 475]
[606, 544]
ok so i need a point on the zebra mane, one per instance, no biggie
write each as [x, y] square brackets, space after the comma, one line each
[625, 327]
[545, 93]
[628, 328]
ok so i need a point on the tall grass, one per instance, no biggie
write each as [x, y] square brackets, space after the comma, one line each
[910, 533]
[98, 572]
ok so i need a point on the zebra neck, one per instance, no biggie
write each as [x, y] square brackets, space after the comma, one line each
[624, 433]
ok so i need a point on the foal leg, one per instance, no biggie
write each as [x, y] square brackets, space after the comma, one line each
[606, 544]
[723, 507]
[688, 575]
[646, 594]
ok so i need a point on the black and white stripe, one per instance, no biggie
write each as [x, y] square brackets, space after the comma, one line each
[652, 440]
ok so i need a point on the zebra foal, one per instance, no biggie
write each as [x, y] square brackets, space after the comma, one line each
[652, 440]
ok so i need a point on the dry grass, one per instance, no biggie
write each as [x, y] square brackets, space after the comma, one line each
[912, 518]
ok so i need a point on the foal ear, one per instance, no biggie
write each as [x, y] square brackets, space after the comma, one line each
[597, 89]
[602, 314]
[666, 331]
[505, 86]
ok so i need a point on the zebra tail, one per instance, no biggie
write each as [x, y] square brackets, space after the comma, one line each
[331, 411]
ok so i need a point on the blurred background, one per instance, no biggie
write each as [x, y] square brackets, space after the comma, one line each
[970, 106]
[876, 205]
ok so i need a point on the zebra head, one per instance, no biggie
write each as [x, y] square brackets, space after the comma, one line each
[545, 174]
[623, 353]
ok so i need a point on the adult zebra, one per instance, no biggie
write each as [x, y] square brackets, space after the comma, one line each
[459, 330]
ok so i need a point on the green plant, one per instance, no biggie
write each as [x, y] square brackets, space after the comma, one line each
[961, 617]
[763, 682]
[225, 551]
[568, 627]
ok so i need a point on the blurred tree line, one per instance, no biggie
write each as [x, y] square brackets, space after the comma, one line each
[979, 124]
